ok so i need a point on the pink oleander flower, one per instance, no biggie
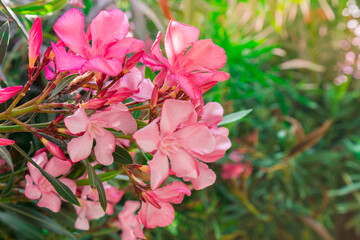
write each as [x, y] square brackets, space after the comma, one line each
[126, 220]
[5, 142]
[194, 69]
[109, 44]
[132, 85]
[116, 116]
[176, 135]
[38, 187]
[8, 92]
[156, 210]
[77, 3]
[113, 196]
[90, 208]
[235, 170]
[35, 40]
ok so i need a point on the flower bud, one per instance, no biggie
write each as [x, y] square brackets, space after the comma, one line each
[35, 40]
[53, 149]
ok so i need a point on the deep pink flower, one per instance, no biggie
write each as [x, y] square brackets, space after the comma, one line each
[9, 92]
[35, 40]
[235, 170]
[176, 135]
[109, 43]
[127, 220]
[158, 212]
[5, 142]
[194, 70]
[38, 187]
[116, 116]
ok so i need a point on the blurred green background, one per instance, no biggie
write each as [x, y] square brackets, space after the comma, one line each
[296, 63]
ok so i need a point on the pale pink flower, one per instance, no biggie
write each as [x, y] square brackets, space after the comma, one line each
[89, 210]
[8, 92]
[194, 70]
[38, 187]
[235, 170]
[77, 3]
[109, 44]
[132, 85]
[156, 210]
[176, 135]
[116, 116]
[35, 40]
[113, 196]
[126, 220]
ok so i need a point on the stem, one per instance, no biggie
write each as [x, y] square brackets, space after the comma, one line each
[51, 87]
[17, 128]
[30, 129]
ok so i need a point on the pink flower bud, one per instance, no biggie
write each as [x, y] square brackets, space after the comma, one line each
[35, 40]
[133, 61]
[53, 149]
[4, 142]
[9, 92]
[150, 199]
[94, 103]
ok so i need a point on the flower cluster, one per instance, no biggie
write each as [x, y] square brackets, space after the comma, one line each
[112, 103]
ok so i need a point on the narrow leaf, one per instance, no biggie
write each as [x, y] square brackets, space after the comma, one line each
[101, 192]
[38, 218]
[103, 177]
[234, 117]
[5, 155]
[63, 83]
[60, 187]
[20, 226]
[122, 156]
[4, 40]
[16, 19]
[91, 173]
[40, 8]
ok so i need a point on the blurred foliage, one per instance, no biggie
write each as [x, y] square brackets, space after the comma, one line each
[283, 57]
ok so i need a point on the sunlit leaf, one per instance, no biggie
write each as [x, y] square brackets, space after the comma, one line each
[4, 40]
[40, 8]
[103, 177]
[234, 117]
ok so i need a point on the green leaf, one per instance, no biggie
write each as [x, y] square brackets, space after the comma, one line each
[91, 173]
[5, 155]
[140, 124]
[60, 187]
[103, 177]
[345, 190]
[16, 19]
[38, 218]
[62, 84]
[40, 8]
[20, 226]
[234, 117]
[4, 40]
[122, 156]
[101, 192]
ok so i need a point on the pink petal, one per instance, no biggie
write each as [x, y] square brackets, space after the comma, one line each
[78, 122]
[9, 92]
[148, 138]
[183, 164]
[31, 191]
[66, 61]
[131, 80]
[111, 67]
[173, 192]
[204, 55]
[206, 177]
[196, 138]
[156, 52]
[212, 113]
[5, 142]
[94, 210]
[80, 148]
[69, 183]
[35, 40]
[51, 201]
[178, 38]
[174, 113]
[108, 27]
[128, 211]
[145, 90]
[70, 29]
[187, 85]
[125, 46]
[138, 232]
[57, 167]
[82, 224]
[153, 217]
[159, 168]
[105, 146]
